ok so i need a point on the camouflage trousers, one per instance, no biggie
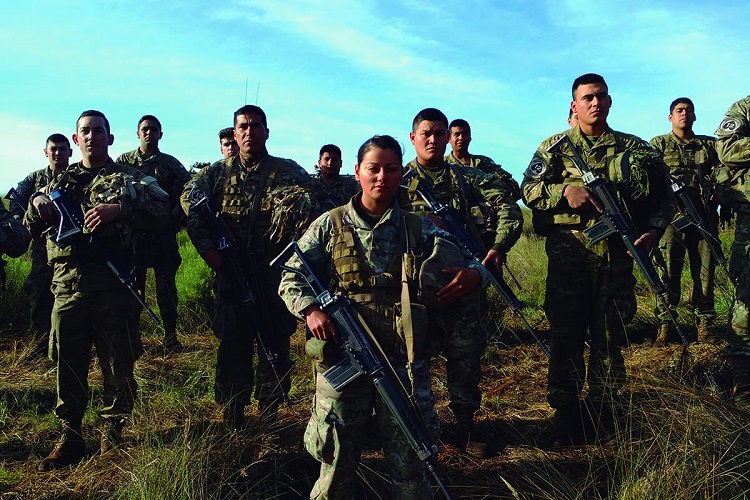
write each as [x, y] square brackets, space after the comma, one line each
[103, 318]
[671, 258]
[165, 263]
[739, 271]
[237, 329]
[37, 289]
[341, 420]
[589, 291]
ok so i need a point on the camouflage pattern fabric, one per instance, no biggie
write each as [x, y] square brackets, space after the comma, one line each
[590, 289]
[692, 164]
[337, 193]
[483, 163]
[733, 147]
[340, 421]
[231, 188]
[91, 305]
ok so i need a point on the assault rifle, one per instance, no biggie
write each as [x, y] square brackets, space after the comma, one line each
[692, 215]
[231, 261]
[70, 230]
[15, 197]
[473, 244]
[615, 219]
[361, 358]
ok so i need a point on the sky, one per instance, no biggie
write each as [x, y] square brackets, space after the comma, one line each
[341, 71]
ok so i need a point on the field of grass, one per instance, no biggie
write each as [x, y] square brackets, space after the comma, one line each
[680, 437]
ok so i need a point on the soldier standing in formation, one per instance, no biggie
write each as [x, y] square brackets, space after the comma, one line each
[338, 188]
[691, 159]
[464, 189]
[733, 179]
[160, 250]
[91, 304]
[589, 289]
[361, 246]
[227, 144]
[241, 190]
[38, 282]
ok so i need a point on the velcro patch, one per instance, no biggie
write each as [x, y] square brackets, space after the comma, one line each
[729, 126]
[536, 168]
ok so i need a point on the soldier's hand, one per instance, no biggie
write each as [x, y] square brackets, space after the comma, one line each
[103, 213]
[213, 259]
[45, 208]
[463, 283]
[648, 240]
[580, 198]
[320, 324]
[494, 258]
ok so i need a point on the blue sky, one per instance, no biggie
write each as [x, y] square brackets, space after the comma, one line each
[341, 71]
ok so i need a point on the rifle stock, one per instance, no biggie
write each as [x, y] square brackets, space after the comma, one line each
[362, 358]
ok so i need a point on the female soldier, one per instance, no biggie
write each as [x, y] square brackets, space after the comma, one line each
[361, 246]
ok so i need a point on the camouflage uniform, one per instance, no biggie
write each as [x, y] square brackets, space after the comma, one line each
[733, 186]
[339, 421]
[231, 189]
[160, 250]
[692, 165]
[91, 304]
[38, 282]
[14, 239]
[483, 163]
[589, 289]
[337, 193]
[465, 188]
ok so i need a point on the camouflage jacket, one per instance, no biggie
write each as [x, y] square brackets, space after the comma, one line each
[479, 189]
[691, 163]
[733, 148]
[14, 238]
[286, 203]
[336, 193]
[144, 206]
[168, 172]
[483, 163]
[548, 174]
[33, 182]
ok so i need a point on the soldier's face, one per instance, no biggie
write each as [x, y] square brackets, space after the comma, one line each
[460, 138]
[93, 139]
[149, 133]
[229, 147]
[682, 116]
[329, 164]
[430, 140]
[591, 104]
[250, 133]
[379, 174]
[59, 154]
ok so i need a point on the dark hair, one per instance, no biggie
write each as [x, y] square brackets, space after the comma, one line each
[93, 112]
[250, 109]
[431, 115]
[381, 142]
[680, 100]
[55, 138]
[460, 122]
[585, 80]
[330, 149]
[226, 133]
[150, 118]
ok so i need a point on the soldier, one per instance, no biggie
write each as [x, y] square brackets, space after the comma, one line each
[572, 119]
[160, 251]
[371, 221]
[91, 304]
[463, 188]
[733, 185]
[337, 188]
[590, 289]
[228, 144]
[691, 159]
[38, 282]
[14, 239]
[243, 190]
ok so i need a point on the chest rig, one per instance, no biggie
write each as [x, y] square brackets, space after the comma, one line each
[379, 297]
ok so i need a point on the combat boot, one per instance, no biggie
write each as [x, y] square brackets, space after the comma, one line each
[706, 331]
[468, 439]
[172, 343]
[665, 330]
[111, 438]
[234, 418]
[69, 449]
[568, 429]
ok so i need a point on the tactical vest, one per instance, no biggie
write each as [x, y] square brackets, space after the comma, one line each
[236, 201]
[377, 296]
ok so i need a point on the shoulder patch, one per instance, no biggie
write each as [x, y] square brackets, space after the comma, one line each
[536, 168]
[728, 126]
